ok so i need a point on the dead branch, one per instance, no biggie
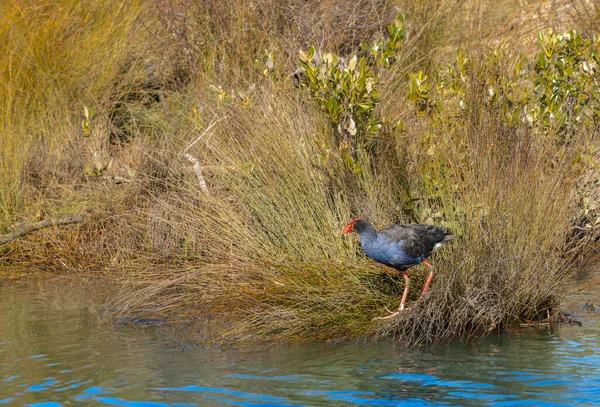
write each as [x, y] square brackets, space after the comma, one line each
[22, 231]
[197, 171]
[195, 161]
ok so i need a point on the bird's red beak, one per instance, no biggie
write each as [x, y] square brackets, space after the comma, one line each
[350, 227]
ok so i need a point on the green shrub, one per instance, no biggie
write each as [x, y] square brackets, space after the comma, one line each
[348, 94]
[554, 91]
[348, 91]
[566, 82]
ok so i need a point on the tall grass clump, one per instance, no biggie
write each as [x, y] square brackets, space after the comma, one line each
[266, 235]
[57, 57]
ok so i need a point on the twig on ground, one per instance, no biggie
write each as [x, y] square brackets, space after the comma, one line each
[22, 231]
[117, 179]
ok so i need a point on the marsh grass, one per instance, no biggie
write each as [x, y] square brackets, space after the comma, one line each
[261, 247]
[57, 57]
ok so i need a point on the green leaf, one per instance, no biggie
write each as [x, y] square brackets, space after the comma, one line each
[363, 65]
[352, 64]
[369, 85]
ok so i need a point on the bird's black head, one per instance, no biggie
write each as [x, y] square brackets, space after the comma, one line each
[357, 225]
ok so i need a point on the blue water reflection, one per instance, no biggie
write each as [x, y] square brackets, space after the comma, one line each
[54, 351]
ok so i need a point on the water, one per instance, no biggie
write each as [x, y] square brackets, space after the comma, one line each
[55, 351]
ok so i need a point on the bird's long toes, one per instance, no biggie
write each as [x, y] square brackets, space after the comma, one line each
[393, 314]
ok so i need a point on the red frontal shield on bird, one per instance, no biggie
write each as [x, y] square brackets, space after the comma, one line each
[350, 226]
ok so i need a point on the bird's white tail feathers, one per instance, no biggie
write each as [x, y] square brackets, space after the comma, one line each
[447, 238]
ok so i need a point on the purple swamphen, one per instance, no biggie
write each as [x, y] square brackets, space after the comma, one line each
[400, 247]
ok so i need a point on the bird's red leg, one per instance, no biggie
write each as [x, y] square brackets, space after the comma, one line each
[429, 278]
[405, 294]
[402, 302]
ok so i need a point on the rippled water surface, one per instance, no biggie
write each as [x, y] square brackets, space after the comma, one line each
[54, 351]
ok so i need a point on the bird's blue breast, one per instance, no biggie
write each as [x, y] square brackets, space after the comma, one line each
[380, 249]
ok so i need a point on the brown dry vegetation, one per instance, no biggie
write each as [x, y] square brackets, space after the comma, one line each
[260, 245]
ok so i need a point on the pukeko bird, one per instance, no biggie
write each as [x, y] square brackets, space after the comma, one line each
[400, 247]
